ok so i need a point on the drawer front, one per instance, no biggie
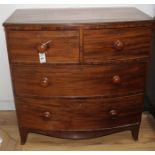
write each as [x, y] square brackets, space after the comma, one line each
[79, 80]
[116, 44]
[58, 46]
[79, 114]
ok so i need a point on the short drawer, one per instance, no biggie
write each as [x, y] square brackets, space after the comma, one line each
[58, 46]
[79, 80]
[79, 114]
[116, 44]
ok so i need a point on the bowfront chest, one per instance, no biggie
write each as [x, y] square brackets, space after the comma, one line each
[78, 73]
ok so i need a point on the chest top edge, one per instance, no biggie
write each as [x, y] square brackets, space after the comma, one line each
[75, 18]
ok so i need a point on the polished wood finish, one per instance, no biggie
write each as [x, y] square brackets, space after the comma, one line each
[93, 79]
[67, 19]
[35, 142]
[79, 80]
[116, 44]
[76, 15]
[44, 82]
[80, 135]
[59, 46]
[79, 114]
[44, 47]
[116, 79]
[77, 118]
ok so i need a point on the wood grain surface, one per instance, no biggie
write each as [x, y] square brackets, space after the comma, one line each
[63, 46]
[114, 142]
[79, 114]
[83, 18]
[99, 45]
[94, 76]
[79, 80]
[76, 15]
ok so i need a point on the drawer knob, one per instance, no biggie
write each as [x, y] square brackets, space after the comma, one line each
[116, 79]
[113, 113]
[118, 45]
[44, 82]
[44, 47]
[79, 106]
[46, 115]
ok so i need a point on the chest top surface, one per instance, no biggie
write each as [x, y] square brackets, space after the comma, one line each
[76, 15]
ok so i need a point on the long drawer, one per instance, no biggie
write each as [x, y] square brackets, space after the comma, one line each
[115, 79]
[79, 114]
[116, 44]
[58, 46]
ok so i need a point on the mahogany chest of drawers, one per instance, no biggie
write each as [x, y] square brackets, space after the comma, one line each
[78, 73]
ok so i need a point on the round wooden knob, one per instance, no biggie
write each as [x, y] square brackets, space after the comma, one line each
[79, 106]
[46, 115]
[113, 113]
[116, 79]
[44, 82]
[42, 48]
[118, 45]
